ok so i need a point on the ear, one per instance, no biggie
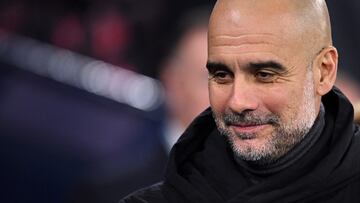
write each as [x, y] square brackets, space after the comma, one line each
[327, 62]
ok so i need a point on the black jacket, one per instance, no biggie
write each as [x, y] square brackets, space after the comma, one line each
[201, 167]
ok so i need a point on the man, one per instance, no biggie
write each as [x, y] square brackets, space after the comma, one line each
[183, 74]
[277, 130]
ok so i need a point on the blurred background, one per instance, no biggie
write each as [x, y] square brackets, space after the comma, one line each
[94, 93]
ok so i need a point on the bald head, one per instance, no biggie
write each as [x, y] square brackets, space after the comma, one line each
[268, 59]
[305, 23]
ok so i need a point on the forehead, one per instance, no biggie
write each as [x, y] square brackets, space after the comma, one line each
[247, 47]
[253, 31]
[244, 43]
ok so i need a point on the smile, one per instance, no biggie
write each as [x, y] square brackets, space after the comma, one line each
[248, 128]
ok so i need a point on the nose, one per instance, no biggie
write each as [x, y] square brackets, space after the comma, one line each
[244, 97]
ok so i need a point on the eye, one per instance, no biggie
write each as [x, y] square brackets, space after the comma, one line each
[221, 76]
[265, 76]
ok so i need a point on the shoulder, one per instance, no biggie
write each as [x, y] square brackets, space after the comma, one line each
[150, 194]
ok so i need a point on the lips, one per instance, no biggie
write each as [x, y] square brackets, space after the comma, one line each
[248, 128]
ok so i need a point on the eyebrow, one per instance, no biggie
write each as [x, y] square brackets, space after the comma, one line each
[254, 66]
[213, 66]
[267, 64]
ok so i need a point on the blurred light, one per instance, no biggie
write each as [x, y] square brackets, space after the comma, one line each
[95, 76]
[143, 93]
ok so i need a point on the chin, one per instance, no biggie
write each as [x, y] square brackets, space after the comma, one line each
[255, 150]
[250, 148]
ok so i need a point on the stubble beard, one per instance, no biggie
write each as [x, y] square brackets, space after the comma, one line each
[284, 136]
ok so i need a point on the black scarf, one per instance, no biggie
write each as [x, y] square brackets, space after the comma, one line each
[201, 167]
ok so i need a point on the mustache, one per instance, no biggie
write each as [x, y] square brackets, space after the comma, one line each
[249, 118]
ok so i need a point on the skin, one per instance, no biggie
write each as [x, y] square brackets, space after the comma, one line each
[269, 64]
[185, 79]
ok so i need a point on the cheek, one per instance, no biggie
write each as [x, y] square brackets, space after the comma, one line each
[280, 101]
[218, 97]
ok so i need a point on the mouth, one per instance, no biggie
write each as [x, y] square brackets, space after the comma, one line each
[248, 128]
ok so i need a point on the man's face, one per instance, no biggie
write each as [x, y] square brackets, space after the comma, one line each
[185, 78]
[261, 88]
